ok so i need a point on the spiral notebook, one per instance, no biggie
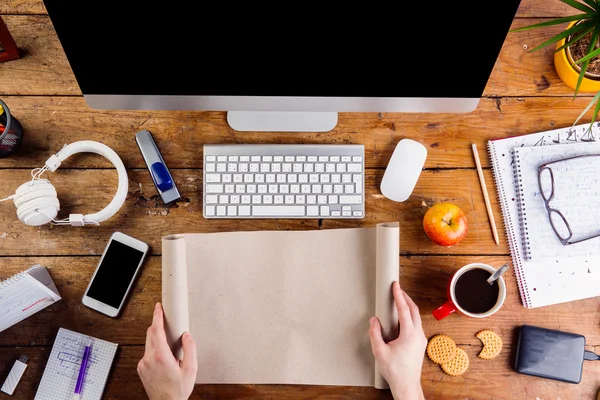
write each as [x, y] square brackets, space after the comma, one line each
[24, 294]
[542, 281]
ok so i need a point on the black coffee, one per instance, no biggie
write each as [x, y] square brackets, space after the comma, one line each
[473, 293]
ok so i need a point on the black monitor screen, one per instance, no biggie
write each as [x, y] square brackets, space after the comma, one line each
[417, 49]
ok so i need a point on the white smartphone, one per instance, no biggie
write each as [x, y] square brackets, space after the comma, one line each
[115, 274]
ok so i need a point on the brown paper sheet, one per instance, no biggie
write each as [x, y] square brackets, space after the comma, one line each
[282, 307]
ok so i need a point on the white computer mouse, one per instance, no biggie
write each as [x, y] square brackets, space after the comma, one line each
[403, 170]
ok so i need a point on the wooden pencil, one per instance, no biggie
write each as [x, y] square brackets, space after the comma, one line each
[486, 197]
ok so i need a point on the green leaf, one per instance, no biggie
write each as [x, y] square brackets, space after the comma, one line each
[593, 4]
[590, 104]
[591, 52]
[575, 39]
[579, 6]
[556, 21]
[588, 57]
[566, 33]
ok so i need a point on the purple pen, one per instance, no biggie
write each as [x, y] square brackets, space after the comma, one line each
[84, 362]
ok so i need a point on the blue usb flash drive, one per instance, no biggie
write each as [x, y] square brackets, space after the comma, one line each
[156, 165]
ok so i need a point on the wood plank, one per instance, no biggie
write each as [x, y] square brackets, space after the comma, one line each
[52, 122]
[45, 70]
[485, 379]
[423, 277]
[144, 216]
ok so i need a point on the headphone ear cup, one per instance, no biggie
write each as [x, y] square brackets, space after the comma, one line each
[38, 211]
[31, 185]
[35, 193]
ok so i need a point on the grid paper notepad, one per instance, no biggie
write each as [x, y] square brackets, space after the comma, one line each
[540, 282]
[62, 369]
[576, 196]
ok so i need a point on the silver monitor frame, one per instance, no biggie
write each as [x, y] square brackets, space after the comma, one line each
[286, 114]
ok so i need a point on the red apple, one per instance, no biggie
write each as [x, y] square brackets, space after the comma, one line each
[445, 224]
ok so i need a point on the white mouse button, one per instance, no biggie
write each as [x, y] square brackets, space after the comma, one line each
[403, 170]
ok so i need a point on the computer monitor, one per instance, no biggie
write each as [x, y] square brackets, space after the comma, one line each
[282, 66]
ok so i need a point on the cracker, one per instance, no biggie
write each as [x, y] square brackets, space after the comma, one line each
[458, 365]
[492, 344]
[441, 349]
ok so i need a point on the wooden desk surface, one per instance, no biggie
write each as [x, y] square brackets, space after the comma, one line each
[523, 95]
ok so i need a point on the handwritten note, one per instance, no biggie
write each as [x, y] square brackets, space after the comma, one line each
[576, 198]
[62, 369]
[25, 294]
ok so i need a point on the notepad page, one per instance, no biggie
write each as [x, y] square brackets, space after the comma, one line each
[22, 296]
[62, 369]
[540, 282]
[576, 196]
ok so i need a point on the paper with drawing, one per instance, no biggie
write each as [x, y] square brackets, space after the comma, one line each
[287, 307]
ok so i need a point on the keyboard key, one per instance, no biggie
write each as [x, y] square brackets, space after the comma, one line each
[211, 158]
[222, 158]
[234, 199]
[350, 200]
[221, 211]
[244, 211]
[211, 167]
[221, 167]
[356, 159]
[268, 199]
[213, 178]
[209, 211]
[354, 168]
[312, 211]
[256, 199]
[324, 211]
[244, 158]
[226, 178]
[278, 199]
[223, 199]
[238, 178]
[214, 188]
[346, 159]
[232, 211]
[278, 159]
[278, 211]
[233, 158]
[211, 199]
[357, 213]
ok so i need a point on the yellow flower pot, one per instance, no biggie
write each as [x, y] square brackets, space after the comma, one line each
[569, 74]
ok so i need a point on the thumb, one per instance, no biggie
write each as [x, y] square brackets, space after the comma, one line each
[189, 364]
[378, 345]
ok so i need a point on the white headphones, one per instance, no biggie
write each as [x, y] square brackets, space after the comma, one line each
[37, 202]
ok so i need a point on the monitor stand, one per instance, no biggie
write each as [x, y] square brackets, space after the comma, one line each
[282, 121]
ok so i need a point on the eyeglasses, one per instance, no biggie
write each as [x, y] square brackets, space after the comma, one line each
[557, 220]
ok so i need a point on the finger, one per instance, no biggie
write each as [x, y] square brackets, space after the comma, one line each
[149, 341]
[377, 342]
[189, 364]
[414, 310]
[404, 317]
[159, 337]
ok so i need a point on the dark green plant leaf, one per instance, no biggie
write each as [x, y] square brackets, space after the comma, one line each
[590, 104]
[592, 4]
[579, 6]
[575, 39]
[556, 21]
[566, 33]
[586, 63]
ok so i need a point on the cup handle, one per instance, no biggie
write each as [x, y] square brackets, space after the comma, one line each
[444, 310]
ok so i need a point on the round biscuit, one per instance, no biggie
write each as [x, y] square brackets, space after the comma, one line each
[492, 344]
[458, 365]
[441, 349]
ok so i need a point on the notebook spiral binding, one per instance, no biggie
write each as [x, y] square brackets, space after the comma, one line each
[522, 209]
[5, 283]
[508, 224]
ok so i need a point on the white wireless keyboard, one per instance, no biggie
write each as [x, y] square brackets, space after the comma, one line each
[284, 181]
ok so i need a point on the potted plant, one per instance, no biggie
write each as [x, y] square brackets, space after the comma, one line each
[577, 53]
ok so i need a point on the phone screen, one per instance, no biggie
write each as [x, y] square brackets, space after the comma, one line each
[115, 274]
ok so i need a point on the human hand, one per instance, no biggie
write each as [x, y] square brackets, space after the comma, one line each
[400, 361]
[163, 376]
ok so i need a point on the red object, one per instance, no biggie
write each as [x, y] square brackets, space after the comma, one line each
[11, 51]
[449, 307]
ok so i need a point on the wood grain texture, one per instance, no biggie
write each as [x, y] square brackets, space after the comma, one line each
[50, 122]
[144, 216]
